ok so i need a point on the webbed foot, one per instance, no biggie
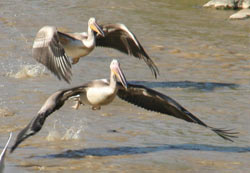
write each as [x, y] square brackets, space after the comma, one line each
[75, 60]
[96, 107]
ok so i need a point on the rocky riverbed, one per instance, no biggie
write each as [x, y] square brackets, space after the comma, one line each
[232, 4]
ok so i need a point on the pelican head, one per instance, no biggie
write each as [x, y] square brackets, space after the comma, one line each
[95, 27]
[115, 68]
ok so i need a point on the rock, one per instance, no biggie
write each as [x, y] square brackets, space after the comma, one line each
[234, 4]
[221, 4]
[244, 4]
[227, 4]
[242, 14]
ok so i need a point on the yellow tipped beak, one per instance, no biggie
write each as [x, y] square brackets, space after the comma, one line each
[95, 27]
[119, 74]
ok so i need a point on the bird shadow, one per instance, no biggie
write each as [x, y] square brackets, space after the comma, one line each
[128, 150]
[203, 86]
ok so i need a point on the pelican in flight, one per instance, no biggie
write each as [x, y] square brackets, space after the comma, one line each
[103, 91]
[53, 48]
[2, 156]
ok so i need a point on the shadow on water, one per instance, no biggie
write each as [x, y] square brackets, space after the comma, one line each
[203, 86]
[126, 150]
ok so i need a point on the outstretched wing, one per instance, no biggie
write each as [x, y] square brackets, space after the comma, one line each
[155, 101]
[48, 50]
[119, 37]
[53, 103]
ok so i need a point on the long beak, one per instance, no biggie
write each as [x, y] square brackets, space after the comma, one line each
[119, 74]
[97, 29]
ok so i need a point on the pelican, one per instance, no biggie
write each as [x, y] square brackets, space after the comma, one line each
[2, 156]
[102, 92]
[53, 48]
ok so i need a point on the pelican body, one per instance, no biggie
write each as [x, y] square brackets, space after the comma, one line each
[53, 48]
[102, 92]
[93, 96]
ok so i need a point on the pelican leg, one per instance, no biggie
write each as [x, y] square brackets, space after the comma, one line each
[76, 106]
[78, 103]
[75, 60]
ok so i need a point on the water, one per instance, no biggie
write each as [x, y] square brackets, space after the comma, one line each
[203, 60]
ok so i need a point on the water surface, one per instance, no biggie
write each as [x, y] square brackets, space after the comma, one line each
[203, 60]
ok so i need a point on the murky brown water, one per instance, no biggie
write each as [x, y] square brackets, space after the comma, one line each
[204, 63]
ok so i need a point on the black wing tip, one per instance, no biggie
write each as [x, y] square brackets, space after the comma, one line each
[24, 134]
[20, 138]
[13, 148]
[66, 79]
[150, 63]
[226, 134]
[17, 142]
[154, 69]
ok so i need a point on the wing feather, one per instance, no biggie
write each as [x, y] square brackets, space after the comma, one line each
[53, 103]
[155, 101]
[48, 50]
[119, 37]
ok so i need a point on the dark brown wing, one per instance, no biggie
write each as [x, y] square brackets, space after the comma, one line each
[155, 101]
[53, 103]
[119, 37]
[48, 50]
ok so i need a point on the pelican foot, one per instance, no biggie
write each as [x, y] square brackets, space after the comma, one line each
[75, 60]
[96, 108]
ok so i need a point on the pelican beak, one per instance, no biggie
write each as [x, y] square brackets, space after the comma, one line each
[95, 27]
[119, 74]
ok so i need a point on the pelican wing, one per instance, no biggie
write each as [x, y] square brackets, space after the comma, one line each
[2, 156]
[119, 37]
[48, 50]
[155, 101]
[53, 103]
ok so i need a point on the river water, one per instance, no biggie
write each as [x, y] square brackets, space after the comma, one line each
[204, 64]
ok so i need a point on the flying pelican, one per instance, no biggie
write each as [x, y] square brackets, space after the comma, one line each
[2, 156]
[102, 92]
[53, 48]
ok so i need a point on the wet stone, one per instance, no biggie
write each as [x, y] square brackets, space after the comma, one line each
[225, 4]
[242, 14]
[221, 4]
[232, 4]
